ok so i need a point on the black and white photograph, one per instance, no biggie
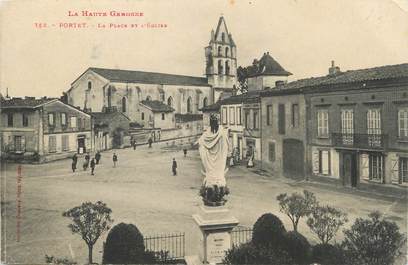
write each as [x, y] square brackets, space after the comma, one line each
[204, 132]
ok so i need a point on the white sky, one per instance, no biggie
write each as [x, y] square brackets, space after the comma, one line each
[302, 35]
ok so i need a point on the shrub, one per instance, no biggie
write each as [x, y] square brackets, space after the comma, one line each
[325, 222]
[214, 196]
[250, 254]
[268, 231]
[59, 261]
[125, 245]
[326, 254]
[297, 247]
[297, 205]
[373, 241]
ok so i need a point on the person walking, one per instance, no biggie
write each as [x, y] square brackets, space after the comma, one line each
[174, 167]
[185, 152]
[74, 162]
[86, 162]
[97, 157]
[115, 159]
[134, 144]
[92, 166]
[150, 141]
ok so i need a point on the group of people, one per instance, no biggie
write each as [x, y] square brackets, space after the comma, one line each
[88, 162]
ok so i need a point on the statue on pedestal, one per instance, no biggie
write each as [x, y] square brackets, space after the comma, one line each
[214, 149]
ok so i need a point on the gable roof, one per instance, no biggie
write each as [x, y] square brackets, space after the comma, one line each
[156, 106]
[267, 65]
[129, 76]
[27, 102]
[107, 117]
[386, 72]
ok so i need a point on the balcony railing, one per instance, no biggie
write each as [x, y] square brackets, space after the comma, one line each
[358, 140]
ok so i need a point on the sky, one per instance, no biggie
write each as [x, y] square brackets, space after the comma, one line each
[302, 35]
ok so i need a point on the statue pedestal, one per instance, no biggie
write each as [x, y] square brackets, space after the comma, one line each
[215, 224]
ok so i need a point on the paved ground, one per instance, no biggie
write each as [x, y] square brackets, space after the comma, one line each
[142, 191]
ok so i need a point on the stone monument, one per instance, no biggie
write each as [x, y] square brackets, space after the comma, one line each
[213, 218]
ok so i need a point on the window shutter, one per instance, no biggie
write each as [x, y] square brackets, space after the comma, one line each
[364, 161]
[394, 170]
[315, 162]
[325, 162]
[23, 147]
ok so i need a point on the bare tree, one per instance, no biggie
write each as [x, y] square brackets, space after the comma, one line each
[297, 205]
[90, 221]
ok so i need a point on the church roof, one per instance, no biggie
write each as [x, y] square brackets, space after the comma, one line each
[221, 22]
[157, 106]
[267, 65]
[129, 76]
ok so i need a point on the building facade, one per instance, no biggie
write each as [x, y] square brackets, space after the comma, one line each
[43, 129]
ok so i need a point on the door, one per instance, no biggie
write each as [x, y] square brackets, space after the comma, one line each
[349, 169]
[293, 158]
[81, 145]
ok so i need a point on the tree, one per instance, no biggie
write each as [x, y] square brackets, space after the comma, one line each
[297, 205]
[325, 222]
[90, 221]
[373, 241]
[242, 78]
[125, 245]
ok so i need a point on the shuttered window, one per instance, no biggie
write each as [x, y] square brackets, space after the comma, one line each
[247, 119]
[374, 127]
[269, 115]
[324, 162]
[256, 121]
[376, 166]
[65, 142]
[271, 152]
[10, 121]
[295, 115]
[281, 117]
[403, 123]
[323, 123]
[63, 119]
[52, 144]
[239, 119]
[403, 169]
[73, 122]
[51, 119]
[224, 116]
[232, 115]
[25, 120]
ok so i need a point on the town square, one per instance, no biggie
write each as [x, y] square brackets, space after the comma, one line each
[187, 132]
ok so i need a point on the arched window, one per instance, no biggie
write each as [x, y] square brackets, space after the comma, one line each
[226, 51]
[220, 67]
[123, 104]
[170, 101]
[89, 84]
[219, 50]
[227, 68]
[148, 98]
[205, 102]
[189, 104]
[223, 37]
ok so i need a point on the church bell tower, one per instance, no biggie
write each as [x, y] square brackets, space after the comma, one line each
[221, 61]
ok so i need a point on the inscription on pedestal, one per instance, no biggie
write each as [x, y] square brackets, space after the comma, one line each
[217, 245]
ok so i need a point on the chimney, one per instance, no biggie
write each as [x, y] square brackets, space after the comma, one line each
[280, 84]
[334, 70]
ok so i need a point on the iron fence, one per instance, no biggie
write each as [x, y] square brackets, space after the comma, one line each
[166, 246]
[241, 235]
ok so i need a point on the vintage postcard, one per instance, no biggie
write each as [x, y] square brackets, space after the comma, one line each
[204, 132]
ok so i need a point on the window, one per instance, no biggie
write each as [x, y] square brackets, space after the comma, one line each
[142, 116]
[65, 142]
[269, 115]
[231, 115]
[227, 68]
[246, 119]
[224, 115]
[255, 121]
[226, 51]
[89, 85]
[10, 122]
[403, 169]
[51, 119]
[271, 150]
[282, 118]
[170, 101]
[79, 123]
[205, 102]
[239, 120]
[189, 107]
[374, 127]
[25, 120]
[73, 122]
[295, 115]
[52, 144]
[18, 143]
[63, 119]
[324, 162]
[220, 72]
[219, 51]
[323, 123]
[347, 126]
[403, 123]
[376, 167]
[123, 104]
[163, 116]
